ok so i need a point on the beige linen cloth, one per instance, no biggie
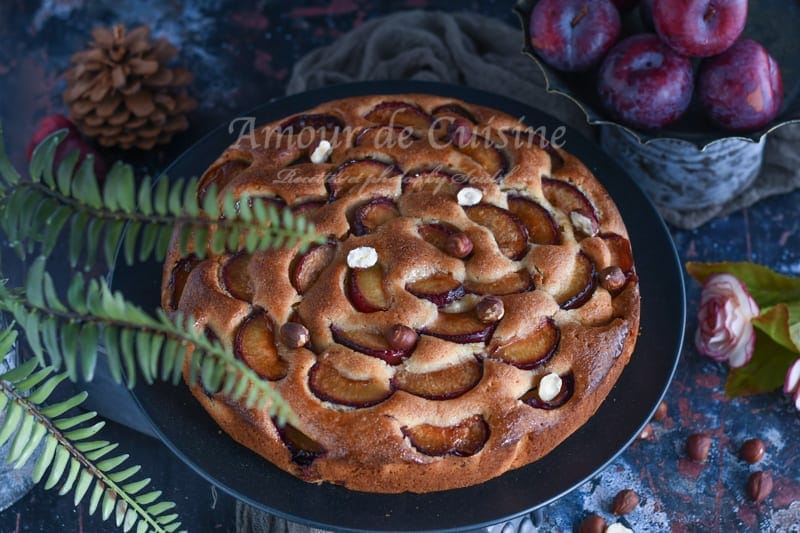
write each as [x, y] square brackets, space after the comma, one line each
[484, 53]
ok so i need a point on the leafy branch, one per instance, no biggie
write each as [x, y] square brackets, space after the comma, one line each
[70, 452]
[154, 346]
[130, 219]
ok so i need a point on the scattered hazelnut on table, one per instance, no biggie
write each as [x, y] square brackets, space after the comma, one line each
[661, 412]
[698, 446]
[612, 278]
[752, 451]
[401, 337]
[490, 309]
[294, 335]
[458, 245]
[624, 502]
[759, 486]
[647, 432]
[592, 524]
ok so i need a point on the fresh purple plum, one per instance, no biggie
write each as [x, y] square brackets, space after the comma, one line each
[644, 83]
[699, 28]
[574, 35]
[741, 89]
[625, 5]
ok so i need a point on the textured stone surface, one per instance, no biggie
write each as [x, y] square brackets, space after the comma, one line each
[241, 57]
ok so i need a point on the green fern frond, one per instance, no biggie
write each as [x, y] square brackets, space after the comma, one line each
[70, 333]
[70, 200]
[64, 442]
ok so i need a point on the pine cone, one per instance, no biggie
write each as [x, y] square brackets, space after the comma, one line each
[121, 92]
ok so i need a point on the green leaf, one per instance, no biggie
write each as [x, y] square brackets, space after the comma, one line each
[7, 170]
[765, 372]
[84, 186]
[20, 372]
[41, 394]
[10, 423]
[74, 469]
[94, 499]
[20, 439]
[84, 482]
[58, 409]
[767, 287]
[57, 470]
[65, 171]
[775, 323]
[145, 196]
[111, 464]
[68, 423]
[33, 282]
[85, 433]
[45, 459]
[39, 431]
[43, 155]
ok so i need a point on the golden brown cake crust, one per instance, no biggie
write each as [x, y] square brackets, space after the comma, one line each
[448, 413]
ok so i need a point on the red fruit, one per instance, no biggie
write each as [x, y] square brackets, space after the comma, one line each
[741, 89]
[699, 28]
[464, 439]
[574, 35]
[365, 289]
[644, 83]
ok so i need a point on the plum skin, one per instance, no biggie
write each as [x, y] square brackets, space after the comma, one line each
[741, 89]
[571, 36]
[644, 83]
[699, 28]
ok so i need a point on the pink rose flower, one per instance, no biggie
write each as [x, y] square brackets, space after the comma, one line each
[725, 332]
[792, 385]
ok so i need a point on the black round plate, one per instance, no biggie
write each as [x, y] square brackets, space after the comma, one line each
[185, 427]
[773, 23]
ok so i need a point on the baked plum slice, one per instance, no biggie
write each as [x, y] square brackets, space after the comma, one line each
[178, 276]
[296, 124]
[464, 439]
[355, 173]
[453, 110]
[385, 136]
[254, 344]
[308, 207]
[542, 227]
[369, 343]
[308, 266]
[373, 214]
[461, 328]
[221, 175]
[365, 289]
[620, 249]
[397, 113]
[487, 154]
[567, 389]
[440, 288]
[530, 137]
[513, 283]
[433, 181]
[571, 200]
[534, 350]
[302, 448]
[436, 233]
[508, 231]
[329, 385]
[235, 278]
[582, 284]
[443, 384]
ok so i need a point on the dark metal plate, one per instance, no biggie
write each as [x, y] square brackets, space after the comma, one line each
[185, 427]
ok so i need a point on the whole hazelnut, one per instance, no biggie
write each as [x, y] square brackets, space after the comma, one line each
[612, 278]
[698, 446]
[294, 335]
[490, 309]
[759, 486]
[460, 132]
[661, 412]
[647, 432]
[592, 524]
[401, 337]
[458, 245]
[752, 451]
[625, 501]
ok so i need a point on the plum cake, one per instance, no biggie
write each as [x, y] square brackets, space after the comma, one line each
[473, 300]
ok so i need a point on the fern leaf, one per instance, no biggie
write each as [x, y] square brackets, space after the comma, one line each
[7, 171]
[72, 464]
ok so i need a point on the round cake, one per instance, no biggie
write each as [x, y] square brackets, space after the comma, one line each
[473, 304]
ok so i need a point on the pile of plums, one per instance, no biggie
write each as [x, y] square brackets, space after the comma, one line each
[646, 80]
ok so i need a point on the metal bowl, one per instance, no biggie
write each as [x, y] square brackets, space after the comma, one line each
[773, 23]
